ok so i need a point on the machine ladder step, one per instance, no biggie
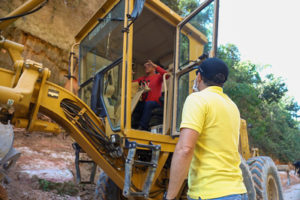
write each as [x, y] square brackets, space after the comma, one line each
[130, 162]
[79, 151]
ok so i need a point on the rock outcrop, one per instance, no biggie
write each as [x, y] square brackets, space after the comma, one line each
[49, 33]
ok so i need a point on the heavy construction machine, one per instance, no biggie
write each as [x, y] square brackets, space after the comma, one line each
[113, 44]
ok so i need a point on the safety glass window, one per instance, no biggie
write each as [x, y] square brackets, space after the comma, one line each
[183, 92]
[103, 45]
[111, 94]
[184, 49]
[201, 24]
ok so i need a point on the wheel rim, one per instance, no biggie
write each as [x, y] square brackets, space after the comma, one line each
[272, 189]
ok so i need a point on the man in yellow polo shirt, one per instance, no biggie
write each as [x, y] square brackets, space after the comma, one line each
[207, 148]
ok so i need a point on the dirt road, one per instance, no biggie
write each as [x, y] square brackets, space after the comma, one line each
[45, 158]
[292, 193]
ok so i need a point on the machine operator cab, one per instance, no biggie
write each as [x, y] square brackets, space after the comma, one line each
[114, 46]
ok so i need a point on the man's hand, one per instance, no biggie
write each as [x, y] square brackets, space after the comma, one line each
[152, 64]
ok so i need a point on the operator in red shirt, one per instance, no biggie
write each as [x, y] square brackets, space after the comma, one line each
[154, 80]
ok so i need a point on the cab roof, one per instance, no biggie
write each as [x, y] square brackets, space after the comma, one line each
[155, 6]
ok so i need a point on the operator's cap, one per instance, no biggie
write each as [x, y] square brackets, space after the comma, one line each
[213, 69]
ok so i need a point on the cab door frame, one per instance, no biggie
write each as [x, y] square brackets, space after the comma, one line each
[187, 68]
[125, 121]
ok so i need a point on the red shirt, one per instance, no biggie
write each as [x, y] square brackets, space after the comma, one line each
[155, 83]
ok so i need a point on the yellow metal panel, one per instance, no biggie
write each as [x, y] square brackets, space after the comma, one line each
[163, 11]
[129, 70]
[244, 143]
[51, 96]
[35, 109]
[167, 142]
[50, 106]
[125, 37]
[18, 66]
[20, 96]
[196, 48]
[6, 77]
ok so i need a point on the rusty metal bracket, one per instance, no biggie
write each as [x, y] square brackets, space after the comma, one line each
[79, 150]
[130, 162]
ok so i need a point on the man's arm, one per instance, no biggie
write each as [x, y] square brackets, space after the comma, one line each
[181, 160]
[160, 70]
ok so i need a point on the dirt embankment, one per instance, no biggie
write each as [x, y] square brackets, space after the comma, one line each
[45, 169]
[48, 34]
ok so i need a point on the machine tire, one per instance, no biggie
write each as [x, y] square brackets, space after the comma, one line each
[248, 181]
[266, 179]
[106, 189]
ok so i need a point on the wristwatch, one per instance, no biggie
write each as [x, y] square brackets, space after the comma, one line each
[165, 197]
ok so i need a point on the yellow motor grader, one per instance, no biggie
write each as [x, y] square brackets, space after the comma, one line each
[113, 44]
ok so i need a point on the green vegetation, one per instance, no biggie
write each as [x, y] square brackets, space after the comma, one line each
[265, 105]
[66, 188]
[182, 7]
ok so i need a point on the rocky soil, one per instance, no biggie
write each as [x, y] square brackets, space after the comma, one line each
[292, 193]
[48, 34]
[291, 187]
[45, 169]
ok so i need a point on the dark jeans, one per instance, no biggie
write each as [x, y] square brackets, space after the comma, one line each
[229, 197]
[142, 114]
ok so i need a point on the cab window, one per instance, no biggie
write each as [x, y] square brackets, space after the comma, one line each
[202, 24]
[183, 92]
[100, 48]
[111, 94]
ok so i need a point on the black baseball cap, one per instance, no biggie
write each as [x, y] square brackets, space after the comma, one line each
[213, 69]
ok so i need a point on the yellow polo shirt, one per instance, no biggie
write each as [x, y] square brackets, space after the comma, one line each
[214, 171]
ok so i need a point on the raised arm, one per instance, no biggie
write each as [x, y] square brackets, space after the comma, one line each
[160, 70]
